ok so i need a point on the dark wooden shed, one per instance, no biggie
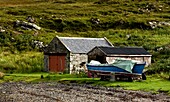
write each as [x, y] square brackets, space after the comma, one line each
[109, 54]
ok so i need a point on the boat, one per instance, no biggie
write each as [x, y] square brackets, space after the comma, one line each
[127, 68]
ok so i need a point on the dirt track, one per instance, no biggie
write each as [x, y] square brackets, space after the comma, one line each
[56, 92]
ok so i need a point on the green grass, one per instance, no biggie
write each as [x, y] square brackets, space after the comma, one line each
[117, 19]
[26, 62]
[152, 84]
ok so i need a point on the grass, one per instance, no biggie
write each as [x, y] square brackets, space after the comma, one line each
[26, 62]
[152, 84]
[117, 19]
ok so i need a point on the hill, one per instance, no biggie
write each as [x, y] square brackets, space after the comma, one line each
[28, 25]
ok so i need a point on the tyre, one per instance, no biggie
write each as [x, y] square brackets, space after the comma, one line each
[143, 76]
[130, 79]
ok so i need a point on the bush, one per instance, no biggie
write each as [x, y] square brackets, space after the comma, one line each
[15, 12]
[55, 24]
[76, 25]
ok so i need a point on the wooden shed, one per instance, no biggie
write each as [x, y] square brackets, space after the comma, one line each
[109, 54]
[65, 54]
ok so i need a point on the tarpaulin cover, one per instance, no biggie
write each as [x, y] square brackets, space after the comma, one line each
[124, 64]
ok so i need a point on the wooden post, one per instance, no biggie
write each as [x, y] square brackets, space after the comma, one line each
[112, 77]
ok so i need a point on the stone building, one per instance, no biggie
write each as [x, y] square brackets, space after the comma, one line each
[65, 54]
[109, 54]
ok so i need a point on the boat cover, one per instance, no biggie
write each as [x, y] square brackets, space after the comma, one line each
[124, 64]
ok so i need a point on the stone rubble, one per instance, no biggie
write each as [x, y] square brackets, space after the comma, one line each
[27, 25]
[155, 24]
[2, 30]
[57, 92]
[38, 44]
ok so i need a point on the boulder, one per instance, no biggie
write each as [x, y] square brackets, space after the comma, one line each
[1, 75]
[27, 25]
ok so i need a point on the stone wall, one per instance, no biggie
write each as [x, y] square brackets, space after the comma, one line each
[55, 46]
[76, 60]
[73, 62]
[46, 63]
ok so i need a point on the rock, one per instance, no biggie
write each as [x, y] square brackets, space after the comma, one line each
[30, 19]
[1, 75]
[1, 29]
[95, 20]
[38, 44]
[72, 92]
[155, 24]
[27, 25]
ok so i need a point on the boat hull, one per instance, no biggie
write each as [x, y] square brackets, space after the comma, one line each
[137, 69]
[106, 68]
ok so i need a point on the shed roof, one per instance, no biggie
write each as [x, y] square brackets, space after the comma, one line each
[124, 50]
[83, 45]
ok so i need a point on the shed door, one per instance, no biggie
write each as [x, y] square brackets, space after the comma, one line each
[57, 63]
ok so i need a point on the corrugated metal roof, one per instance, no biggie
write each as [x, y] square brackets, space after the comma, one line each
[83, 45]
[124, 50]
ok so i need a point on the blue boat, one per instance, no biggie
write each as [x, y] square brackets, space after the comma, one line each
[105, 68]
[122, 68]
[137, 68]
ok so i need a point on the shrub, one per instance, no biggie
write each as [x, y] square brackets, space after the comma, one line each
[20, 12]
[55, 24]
[76, 25]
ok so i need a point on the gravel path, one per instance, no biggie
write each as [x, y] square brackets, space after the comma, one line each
[57, 92]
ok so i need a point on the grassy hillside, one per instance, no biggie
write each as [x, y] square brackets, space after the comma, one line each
[143, 23]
